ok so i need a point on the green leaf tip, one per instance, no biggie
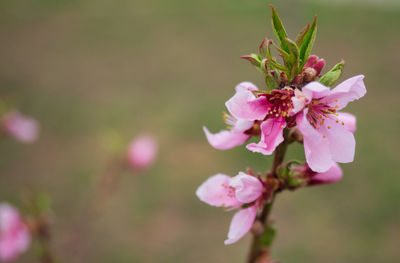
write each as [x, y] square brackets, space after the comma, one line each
[306, 41]
[329, 79]
[279, 30]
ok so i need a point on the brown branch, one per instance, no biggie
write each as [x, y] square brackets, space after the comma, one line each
[260, 253]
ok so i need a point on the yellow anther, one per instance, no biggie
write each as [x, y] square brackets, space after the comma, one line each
[329, 127]
[336, 106]
[324, 136]
[337, 121]
[342, 123]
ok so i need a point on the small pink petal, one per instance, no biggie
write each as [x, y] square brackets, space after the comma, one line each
[243, 86]
[247, 188]
[241, 223]
[215, 191]
[333, 175]
[347, 91]
[271, 136]
[225, 140]
[349, 121]
[142, 151]
[23, 129]
[299, 101]
[316, 148]
[244, 105]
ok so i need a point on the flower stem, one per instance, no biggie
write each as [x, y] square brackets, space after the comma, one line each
[260, 245]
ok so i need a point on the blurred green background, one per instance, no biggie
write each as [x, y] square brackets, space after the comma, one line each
[97, 71]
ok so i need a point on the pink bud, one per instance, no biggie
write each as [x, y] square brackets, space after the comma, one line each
[319, 66]
[333, 175]
[311, 61]
[142, 151]
[316, 63]
[20, 127]
[14, 234]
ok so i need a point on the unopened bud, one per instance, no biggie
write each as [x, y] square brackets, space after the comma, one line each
[309, 74]
[283, 79]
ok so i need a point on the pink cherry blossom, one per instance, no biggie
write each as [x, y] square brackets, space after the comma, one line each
[328, 135]
[271, 109]
[142, 151]
[223, 191]
[20, 127]
[14, 234]
[238, 132]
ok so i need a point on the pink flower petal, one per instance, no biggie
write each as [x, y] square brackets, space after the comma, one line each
[225, 140]
[347, 91]
[315, 90]
[299, 101]
[244, 105]
[271, 136]
[348, 119]
[216, 191]
[247, 188]
[316, 148]
[333, 175]
[241, 223]
[341, 141]
[245, 86]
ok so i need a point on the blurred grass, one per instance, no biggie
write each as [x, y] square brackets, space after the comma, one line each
[84, 68]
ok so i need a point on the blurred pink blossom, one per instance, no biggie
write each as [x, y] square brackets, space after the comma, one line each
[20, 127]
[14, 234]
[143, 151]
[223, 191]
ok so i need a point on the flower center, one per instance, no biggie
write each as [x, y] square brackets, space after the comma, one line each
[318, 112]
[280, 102]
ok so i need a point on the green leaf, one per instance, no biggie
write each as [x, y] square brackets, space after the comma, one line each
[308, 42]
[330, 78]
[300, 36]
[271, 82]
[256, 61]
[278, 28]
[268, 236]
[294, 58]
[293, 49]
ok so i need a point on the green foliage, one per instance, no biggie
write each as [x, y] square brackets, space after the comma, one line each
[330, 78]
[293, 53]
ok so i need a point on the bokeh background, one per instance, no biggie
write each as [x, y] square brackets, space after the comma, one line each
[97, 73]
